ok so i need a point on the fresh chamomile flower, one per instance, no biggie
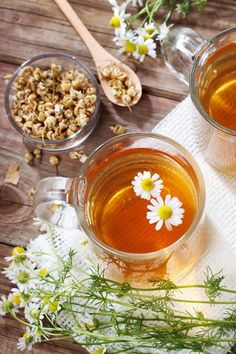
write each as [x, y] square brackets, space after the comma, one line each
[99, 351]
[18, 255]
[33, 313]
[127, 42]
[144, 47]
[118, 20]
[163, 31]
[168, 212]
[23, 277]
[146, 186]
[7, 305]
[50, 304]
[19, 298]
[29, 338]
[148, 31]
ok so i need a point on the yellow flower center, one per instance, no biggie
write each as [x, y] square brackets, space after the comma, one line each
[34, 314]
[17, 299]
[150, 31]
[23, 277]
[46, 299]
[27, 338]
[146, 37]
[114, 22]
[19, 254]
[164, 212]
[53, 306]
[17, 250]
[147, 184]
[142, 49]
[130, 47]
[7, 306]
[99, 351]
[42, 272]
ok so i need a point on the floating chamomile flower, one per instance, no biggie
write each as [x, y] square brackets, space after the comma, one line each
[168, 212]
[146, 186]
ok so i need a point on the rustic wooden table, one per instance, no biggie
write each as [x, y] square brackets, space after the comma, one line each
[31, 27]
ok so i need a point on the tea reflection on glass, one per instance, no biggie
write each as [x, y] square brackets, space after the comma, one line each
[217, 91]
[209, 67]
[140, 199]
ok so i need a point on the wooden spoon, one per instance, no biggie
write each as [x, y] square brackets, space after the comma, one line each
[100, 56]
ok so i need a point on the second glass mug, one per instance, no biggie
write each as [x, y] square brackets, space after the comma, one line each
[199, 63]
[107, 163]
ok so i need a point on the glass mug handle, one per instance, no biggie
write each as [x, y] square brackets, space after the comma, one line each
[54, 202]
[179, 49]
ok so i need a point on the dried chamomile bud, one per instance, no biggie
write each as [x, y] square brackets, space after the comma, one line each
[118, 129]
[28, 156]
[32, 192]
[74, 155]
[54, 160]
[122, 88]
[7, 78]
[37, 153]
[47, 103]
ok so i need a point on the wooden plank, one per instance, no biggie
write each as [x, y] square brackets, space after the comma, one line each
[26, 25]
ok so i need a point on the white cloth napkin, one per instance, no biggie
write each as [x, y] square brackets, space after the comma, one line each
[220, 231]
[220, 247]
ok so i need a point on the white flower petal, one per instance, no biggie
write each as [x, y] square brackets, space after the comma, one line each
[152, 208]
[167, 199]
[160, 201]
[146, 195]
[154, 220]
[159, 225]
[155, 203]
[140, 175]
[155, 177]
[146, 174]
[168, 225]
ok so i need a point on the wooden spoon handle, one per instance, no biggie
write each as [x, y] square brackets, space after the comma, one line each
[98, 53]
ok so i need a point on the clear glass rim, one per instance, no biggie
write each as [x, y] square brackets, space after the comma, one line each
[201, 198]
[193, 91]
[34, 59]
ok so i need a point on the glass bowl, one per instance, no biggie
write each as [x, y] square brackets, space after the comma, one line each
[67, 62]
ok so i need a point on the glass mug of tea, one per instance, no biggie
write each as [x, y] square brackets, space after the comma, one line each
[209, 67]
[140, 199]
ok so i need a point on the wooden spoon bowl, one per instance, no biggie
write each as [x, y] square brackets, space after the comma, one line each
[101, 57]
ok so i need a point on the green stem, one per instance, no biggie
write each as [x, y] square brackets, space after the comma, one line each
[168, 298]
[174, 287]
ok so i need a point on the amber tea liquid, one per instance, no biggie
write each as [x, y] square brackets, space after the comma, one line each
[217, 92]
[118, 217]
